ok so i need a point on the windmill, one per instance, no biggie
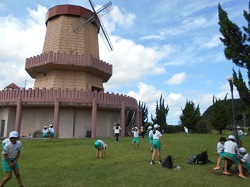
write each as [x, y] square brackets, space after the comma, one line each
[96, 17]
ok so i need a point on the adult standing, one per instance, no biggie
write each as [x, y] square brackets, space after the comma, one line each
[117, 131]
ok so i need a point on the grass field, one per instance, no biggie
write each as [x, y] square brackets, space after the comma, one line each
[72, 162]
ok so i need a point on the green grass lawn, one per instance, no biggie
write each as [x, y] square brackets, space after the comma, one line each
[72, 162]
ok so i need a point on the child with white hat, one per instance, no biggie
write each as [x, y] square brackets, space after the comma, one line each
[11, 155]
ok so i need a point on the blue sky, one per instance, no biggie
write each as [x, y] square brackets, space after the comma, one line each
[160, 47]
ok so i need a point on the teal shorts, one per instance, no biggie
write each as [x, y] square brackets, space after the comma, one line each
[151, 140]
[45, 135]
[136, 140]
[246, 165]
[231, 156]
[240, 137]
[156, 144]
[52, 134]
[98, 144]
[6, 166]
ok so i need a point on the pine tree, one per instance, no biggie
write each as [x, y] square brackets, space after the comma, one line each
[237, 49]
[144, 110]
[220, 114]
[161, 113]
[190, 115]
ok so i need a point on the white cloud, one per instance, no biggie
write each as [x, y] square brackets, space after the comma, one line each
[18, 42]
[177, 78]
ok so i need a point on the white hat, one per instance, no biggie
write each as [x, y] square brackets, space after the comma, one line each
[45, 126]
[13, 134]
[231, 137]
[156, 126]
[149, 127]
[238, 127]
[242, 150]
[51, 125]
[135, 127]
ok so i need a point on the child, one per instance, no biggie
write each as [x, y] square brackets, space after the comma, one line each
[240, 135]
[45, 133]
[11, 155]
[117, 130]
[101, 148]
[220, 150]
[230, 150]
[150, 137]
[51, 132]
[136, 137]
[157, 140]
[186, 131]
[245, 158]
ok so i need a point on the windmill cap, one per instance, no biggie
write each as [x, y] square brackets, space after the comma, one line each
[156, 126]
[242, 150]
[231, 137]
[13, 134]
[150, 127]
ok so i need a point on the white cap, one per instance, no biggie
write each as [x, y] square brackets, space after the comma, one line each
[135, 127]
[45, 126]
[238, 127]
[242, 150]
[231, 137]
[13, 134]
[149, 127]
[50, 125]
[156, 126]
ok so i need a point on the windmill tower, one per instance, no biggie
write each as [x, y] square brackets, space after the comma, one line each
[71, 50]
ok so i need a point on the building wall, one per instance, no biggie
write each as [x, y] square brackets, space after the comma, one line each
[35, 118]
[61, 38]
[68, 79]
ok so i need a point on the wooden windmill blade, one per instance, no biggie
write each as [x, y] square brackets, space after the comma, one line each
[104, 35]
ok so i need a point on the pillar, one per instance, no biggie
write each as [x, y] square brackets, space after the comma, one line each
[18, 115]
[94, 114]
[123, 119]
[56, 117]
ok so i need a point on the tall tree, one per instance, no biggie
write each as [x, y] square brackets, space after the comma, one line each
[144, 115]
[220, 114]
[190, 115]
[161, 112]
[237, 49]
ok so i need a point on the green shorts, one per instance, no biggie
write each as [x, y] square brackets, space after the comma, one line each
[6, 166]
[51, 134]
[150, 140]
[98, 144]
[231, 156]
[136, 140]
[156, 144]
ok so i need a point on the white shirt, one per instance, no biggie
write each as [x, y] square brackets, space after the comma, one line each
[230, 147]
[246, 158]
[5, 141]
[103, 144]
[136, 133]
[220, 147]
[51, 129]
[12, 149]
[117, 130]
[240, 132]
[45, 131]
[150, 134]
[157, 135]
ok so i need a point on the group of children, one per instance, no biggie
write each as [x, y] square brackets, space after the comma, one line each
[48, 132]
[229, 152]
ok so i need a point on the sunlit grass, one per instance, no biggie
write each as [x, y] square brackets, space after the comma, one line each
[72, 162]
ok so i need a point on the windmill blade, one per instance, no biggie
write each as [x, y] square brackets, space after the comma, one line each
[82, 22]
[104, 10]
[105, 37]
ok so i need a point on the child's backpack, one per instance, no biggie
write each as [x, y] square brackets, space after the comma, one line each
[168, 162]
[201, 158]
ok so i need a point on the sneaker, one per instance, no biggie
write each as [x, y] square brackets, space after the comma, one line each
[242, 176]
[152, 162]
[217, 168]
[226, 173]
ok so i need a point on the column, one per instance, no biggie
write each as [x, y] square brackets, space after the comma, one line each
[123, 119]
[94, 114]
[56, 117]
[18, 115]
